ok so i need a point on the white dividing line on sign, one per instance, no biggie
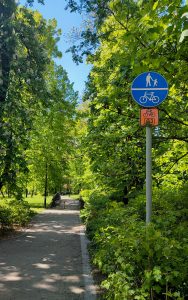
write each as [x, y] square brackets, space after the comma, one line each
[149, 89]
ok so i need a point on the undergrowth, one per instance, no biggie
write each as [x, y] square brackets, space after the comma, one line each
[140, 262]
[14, 213]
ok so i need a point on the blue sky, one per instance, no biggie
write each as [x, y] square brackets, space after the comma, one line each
[66, 21]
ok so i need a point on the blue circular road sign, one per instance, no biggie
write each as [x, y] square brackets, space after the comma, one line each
[149, 89]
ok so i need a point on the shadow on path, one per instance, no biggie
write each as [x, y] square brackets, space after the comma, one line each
[46, 261]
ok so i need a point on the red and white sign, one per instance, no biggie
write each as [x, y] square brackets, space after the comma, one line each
[149, 117]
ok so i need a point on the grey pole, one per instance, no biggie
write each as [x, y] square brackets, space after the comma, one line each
[148, 174]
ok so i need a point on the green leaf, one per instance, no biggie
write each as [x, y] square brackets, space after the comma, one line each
[155, 5]
[157, 273]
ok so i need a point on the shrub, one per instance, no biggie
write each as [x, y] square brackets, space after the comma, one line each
[5, 218]
[94, 204]
[20, 212]
[14, 213]
[140, 262]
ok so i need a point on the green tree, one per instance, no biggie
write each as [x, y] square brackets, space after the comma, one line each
[135, 37]
[7, 44]
[82, 178]
[52, 138]
[26, 87]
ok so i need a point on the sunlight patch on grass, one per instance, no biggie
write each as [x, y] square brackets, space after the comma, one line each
[36, 202]
[75, 197]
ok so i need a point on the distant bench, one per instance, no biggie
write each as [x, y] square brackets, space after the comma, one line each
[55, 200]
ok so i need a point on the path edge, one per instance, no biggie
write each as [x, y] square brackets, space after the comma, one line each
[90, 289]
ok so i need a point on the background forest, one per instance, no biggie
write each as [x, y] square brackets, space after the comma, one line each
[97, 148]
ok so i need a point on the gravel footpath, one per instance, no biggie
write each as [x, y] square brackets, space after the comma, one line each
[49, 261]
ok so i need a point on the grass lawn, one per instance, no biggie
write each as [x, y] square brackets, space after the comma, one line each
[75, 197]
[36, 202]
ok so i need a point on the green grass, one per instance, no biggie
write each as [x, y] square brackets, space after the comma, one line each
[75, 197]
[36, 202]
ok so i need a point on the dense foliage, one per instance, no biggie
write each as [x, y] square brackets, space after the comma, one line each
[121, 40]
[140, 262]
[37, 102]
[134, 37]
[14, 213]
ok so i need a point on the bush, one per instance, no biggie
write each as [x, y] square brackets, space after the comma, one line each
[5, 218]
[140, 262]
[20, 212]
[94, 202]
[15, 213]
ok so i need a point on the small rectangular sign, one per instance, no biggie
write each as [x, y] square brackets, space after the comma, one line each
[149, 117]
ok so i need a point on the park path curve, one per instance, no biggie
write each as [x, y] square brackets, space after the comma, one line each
[49, 261]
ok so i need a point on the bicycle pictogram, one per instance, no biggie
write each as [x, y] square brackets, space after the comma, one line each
[149, 97]
[149, 113]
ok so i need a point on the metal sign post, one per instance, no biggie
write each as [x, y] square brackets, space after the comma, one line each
[149, 117]
[148, 173]
[149, 89]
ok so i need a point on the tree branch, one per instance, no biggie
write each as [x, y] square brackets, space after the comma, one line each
[166, 172]
[172, 118]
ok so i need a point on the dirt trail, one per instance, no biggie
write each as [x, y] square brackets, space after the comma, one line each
[49, 261]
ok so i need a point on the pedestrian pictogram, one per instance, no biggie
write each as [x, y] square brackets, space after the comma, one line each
[148, 81]
[149, 117]
[149, 89]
